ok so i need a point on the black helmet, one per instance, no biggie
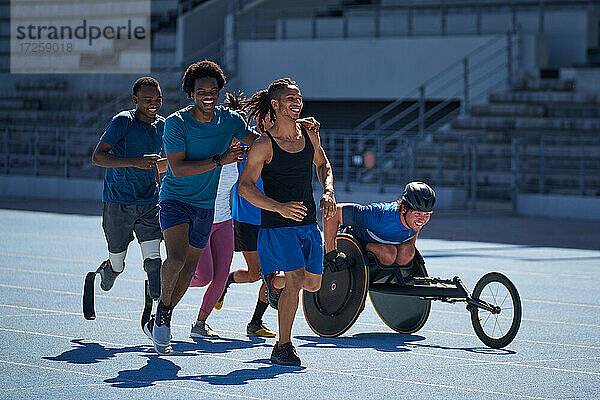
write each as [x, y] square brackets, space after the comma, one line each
[419, 196]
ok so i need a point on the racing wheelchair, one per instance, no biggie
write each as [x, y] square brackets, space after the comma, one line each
[402, 296]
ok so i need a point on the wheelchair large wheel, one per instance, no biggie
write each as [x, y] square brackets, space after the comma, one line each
[496, 329]
[404, 314]
[335, 307]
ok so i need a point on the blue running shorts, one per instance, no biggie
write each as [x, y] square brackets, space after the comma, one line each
[290, 248]
[200, 220]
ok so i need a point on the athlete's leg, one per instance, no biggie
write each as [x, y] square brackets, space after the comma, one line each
[147, 231]
[177, 244]
[117, 223]
[204, 272]
[312, 282]
[288, 303]
[222, 253]
[252, 274]
[186, 274]
[405, 253]
[385, 253]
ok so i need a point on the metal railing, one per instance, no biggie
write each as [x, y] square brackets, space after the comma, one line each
[482, 170]
[488, 67]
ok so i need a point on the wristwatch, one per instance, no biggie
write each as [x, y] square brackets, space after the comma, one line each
[217, 160]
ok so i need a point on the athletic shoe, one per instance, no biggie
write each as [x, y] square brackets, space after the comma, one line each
[148, 328]
[272, 292]
[253, 329]
[202, 330]
[161, 334]
[107, 276]
[152, 268]
[285, 354]
[219, 304]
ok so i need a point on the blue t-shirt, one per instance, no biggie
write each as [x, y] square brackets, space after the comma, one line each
[241, 209]
[382, 223]
[200, 141]
[130, 137]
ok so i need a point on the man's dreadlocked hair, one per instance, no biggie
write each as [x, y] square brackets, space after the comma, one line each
[259, 105]
[236, 102]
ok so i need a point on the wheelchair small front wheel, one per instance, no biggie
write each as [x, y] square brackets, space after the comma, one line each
[499, 327]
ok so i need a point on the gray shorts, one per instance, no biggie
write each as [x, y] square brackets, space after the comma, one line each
[119, 221]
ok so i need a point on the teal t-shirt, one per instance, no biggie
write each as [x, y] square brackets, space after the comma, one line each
[200, 141]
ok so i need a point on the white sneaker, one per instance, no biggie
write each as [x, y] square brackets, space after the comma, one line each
[202, 330]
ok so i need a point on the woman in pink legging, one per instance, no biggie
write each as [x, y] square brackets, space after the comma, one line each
[214, 263]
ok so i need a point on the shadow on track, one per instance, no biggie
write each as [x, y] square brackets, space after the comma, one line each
[161, 369]
[85, 352]
[225, 345]
[387, 342]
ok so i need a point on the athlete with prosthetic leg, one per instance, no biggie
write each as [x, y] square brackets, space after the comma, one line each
[130, 151]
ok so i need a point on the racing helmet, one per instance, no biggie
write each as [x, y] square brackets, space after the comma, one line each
[419, 196]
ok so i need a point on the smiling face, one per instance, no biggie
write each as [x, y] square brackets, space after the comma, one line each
[205, 95]
[289, 104]
[148, 101]
[414, 219]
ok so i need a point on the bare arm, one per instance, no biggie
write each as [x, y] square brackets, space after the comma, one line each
[103, 158]
[324, 174]
[260, 153]
[182, 167]
[249, 140]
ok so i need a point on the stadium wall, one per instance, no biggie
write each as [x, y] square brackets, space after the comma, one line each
[91, 189]
[366, 68]
[559, 206]
[587, 208]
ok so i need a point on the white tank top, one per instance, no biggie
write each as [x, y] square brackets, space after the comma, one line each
[229, 175]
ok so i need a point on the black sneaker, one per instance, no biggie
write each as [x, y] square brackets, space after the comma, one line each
[285, 354]
[272, 292]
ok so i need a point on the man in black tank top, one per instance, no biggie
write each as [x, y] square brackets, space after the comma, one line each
[289, 240]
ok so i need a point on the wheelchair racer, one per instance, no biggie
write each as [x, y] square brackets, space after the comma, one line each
[390, 229]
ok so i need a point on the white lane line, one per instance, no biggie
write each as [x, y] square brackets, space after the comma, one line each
[432, 270]
[361, 323]
[98, 317]
[478, 363]
[241, 291]
[382, 326]
[65, 274]
[51, 236]
[154, 383]
[373, 377]
[27, 388]
[437, 385]
[542, 321]
[46, 257]
[561, 303]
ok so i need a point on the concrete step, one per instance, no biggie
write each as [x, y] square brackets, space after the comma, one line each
[543, 97]
[573, 111]
[527, 123]
[546, 85]
[507, 109]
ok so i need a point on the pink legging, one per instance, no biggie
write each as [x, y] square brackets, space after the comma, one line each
[213, 265]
